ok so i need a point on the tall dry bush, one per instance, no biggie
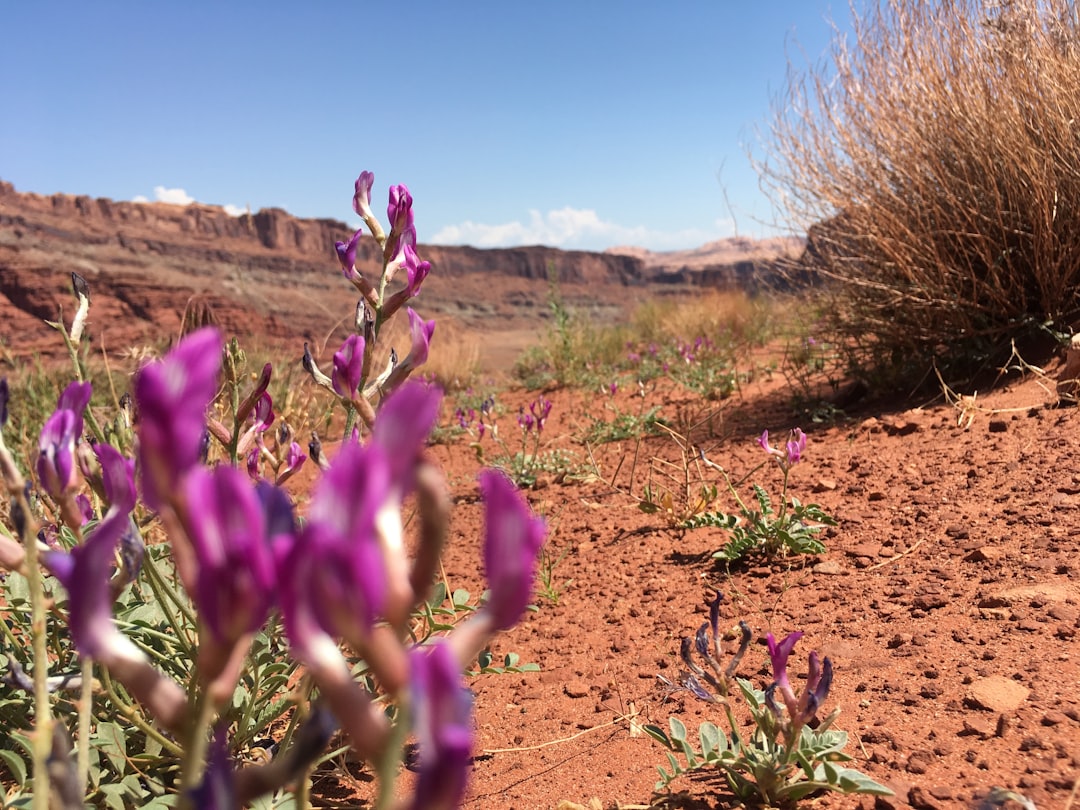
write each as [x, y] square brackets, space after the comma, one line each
[935, 158]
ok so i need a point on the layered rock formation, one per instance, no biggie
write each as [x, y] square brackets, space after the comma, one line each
[270, 275]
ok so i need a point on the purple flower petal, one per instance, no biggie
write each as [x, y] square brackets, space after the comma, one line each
[442, 719]
[340, 536]
[173, 395]
[512, 542]
[399, 210]
[85, 571]
[348, 367]
[56, 464]
[403, 425]
[421, 332]
[235, 580]
[346, 252]
[361, 201]
[778, 654]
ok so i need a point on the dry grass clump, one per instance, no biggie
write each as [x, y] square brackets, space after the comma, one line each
[939, 156]
[728, 315]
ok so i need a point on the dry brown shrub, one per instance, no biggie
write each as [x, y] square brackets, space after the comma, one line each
[937, 158]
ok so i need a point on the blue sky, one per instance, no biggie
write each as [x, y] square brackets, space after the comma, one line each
[574, 124]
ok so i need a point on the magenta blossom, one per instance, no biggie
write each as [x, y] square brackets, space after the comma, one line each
[56, 464]
[421, 332]
[336, 570]
[792, 452]
[294, 460]
[778, 655]
[540, 409]
[346, 252]
[235, 579]
[361, 201]
[348, 367]
[172, 396]
[405, 421]
[86, 570]
[512, 542]
[399, 210]
[442, 719]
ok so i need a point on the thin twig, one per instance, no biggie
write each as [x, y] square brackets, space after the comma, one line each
[549, 743]
[883, 563]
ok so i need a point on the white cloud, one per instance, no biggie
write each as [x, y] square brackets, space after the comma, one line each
[177, 196]
[574, 228]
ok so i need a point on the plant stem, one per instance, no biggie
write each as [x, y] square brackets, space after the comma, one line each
[197, 740]
[388, 763]
[43, 719]
[86, 705]
[164, 593]
[135, 718]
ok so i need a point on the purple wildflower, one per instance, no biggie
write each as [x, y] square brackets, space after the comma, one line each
[361, 201]
[540, 409]
[173, 395]
[442, 708]
[421, 332]
[349, 367]
[336, 572]
[778, 655]
[85, 571]
[56, 463]
[346, 252]
[512, 542]
[294, 460]
[399, 210]
[235, 576]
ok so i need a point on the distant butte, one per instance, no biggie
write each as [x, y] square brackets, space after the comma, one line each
[276, 277]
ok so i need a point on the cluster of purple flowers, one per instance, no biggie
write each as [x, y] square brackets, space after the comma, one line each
[341, 575]
[792, 452]
[536, 417]
[472, 419]
[241, 553]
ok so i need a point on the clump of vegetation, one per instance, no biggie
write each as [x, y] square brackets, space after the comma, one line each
[936, 162]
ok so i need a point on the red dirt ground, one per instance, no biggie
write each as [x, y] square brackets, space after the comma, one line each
[947, 600]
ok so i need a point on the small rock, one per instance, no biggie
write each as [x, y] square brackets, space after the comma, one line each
[984, 554]
[829, 567]
[919, 762]
[921, 799]
[825, 485]
[998, 426]
[876, 495]
[977, 727]
[576, 689]
[1054, 718]
[997, 694]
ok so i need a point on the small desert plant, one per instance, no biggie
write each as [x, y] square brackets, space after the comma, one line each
[789, 752]
[936, 162]
[768, 531]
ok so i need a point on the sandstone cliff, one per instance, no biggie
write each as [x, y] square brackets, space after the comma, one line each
[274, 276]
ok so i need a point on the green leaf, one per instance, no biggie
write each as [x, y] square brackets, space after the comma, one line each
[111, 742]
[657, 734]
[461, 598]
[511, 660]
[15, 765]
[678, 729]
[850, 780]
[710, 739]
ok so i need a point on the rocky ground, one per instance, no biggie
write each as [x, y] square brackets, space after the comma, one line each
[947, 599]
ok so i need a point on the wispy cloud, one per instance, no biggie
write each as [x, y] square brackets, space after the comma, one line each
[177, 196]
[575, 228]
